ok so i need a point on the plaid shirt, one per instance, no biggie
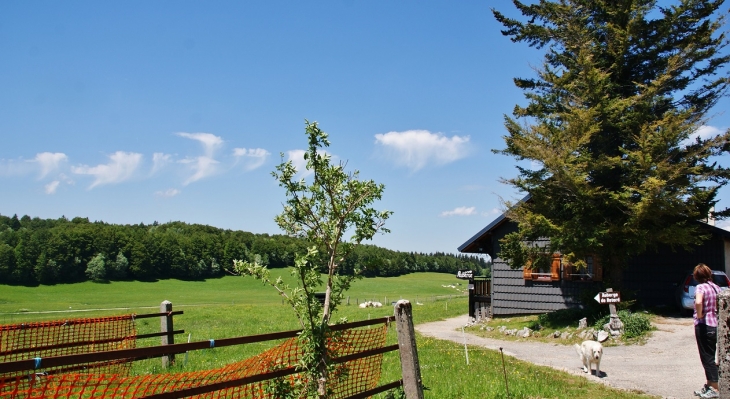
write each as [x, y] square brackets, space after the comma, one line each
[709, 292]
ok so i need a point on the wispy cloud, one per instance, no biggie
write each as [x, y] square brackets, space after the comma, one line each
[460, 211]
[204, 165]
[209, 141]
[416, 149]
[159, 161]
[121, 166]
[202, 168]
[52, 187]
[11, 167]
[492, 212]
[49, 162]
[170, 192]
[252, 158]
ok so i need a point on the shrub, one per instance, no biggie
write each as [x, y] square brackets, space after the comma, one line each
[635, 324]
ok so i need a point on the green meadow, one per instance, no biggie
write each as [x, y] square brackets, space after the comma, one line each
[236, 306]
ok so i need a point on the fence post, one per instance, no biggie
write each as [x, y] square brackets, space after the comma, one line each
[166, 327]
[723, 343]
[410, 368]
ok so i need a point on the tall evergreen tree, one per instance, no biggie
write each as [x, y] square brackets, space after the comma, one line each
[611, 122]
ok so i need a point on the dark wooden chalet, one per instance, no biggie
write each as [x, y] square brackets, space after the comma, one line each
[653, 276]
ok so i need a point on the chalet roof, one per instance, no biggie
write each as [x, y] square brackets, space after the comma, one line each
[472, 245]
[483, 233]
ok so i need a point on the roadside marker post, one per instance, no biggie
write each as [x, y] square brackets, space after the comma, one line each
[615, 327]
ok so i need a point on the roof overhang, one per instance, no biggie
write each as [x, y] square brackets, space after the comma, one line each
[481, 242]
[476, 244]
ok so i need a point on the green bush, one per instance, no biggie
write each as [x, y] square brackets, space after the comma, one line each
[635, 324]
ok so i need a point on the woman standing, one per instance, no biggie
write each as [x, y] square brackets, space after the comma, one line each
[705, 321]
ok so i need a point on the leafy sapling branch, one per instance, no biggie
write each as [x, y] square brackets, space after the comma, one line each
[323, 211]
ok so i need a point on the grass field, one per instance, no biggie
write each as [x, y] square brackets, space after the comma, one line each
[237, 306]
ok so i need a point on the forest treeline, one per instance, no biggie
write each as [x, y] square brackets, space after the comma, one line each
[49, 251]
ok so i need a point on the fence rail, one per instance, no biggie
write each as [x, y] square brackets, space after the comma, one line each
[158, 351]
[35, 341]
[406, 347]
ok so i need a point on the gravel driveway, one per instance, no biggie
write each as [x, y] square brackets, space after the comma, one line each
[668, 365]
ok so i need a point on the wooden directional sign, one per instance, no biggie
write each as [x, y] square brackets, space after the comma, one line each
[608, 297]
[465, 274]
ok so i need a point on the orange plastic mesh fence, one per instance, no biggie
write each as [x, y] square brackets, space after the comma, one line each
[69, 337]
[348, 378]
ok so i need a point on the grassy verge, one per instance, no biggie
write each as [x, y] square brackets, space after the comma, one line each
[235, 306]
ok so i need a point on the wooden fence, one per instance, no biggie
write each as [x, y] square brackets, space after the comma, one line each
[411, 375]
[45, 339]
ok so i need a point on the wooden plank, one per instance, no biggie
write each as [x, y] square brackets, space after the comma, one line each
[145, 316]
[371, 392]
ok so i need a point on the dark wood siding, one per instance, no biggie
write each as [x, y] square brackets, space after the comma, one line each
[652, 278]
[512, 294]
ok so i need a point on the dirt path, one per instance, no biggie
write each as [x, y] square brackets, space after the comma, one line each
[667, 365]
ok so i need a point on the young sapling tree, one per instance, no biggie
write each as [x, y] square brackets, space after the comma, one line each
[333, 212]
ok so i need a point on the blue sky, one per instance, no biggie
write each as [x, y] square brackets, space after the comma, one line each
[135, 111]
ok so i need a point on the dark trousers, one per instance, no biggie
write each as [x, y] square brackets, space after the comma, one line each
[707, 343]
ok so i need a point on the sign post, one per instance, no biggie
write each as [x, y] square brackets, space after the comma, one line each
[615, 327]
[468, 275]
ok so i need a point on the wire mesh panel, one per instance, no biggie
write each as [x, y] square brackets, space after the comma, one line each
[38, 340]
[232, 381]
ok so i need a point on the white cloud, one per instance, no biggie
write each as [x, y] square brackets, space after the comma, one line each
[49, 161]
[159, 161]
[121, 167]
[704, 132]
[296, 157]
[202, 167]
[492, 212]
[209, 141]
[252, 157]
[52, 186]
[205, 165]
[416, 149]
[460, 211]
[170, 192]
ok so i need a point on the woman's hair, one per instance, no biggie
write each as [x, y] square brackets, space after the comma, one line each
[702, 273]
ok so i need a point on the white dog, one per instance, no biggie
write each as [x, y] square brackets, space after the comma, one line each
[590, 352]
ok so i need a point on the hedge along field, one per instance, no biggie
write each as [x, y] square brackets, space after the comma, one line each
[236, 306]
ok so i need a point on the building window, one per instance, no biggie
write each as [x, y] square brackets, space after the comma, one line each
[591, 272]
[551, 274]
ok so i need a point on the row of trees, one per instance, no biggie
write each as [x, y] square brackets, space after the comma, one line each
[49, 251]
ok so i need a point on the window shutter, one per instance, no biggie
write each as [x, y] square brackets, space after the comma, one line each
[597, 269]
[527, 272]
[555, 268]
